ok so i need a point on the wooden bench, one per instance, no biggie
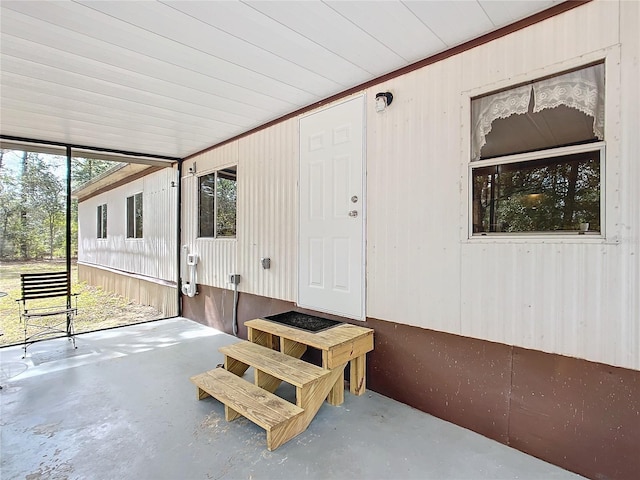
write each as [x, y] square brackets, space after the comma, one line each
[257, 401]
[339, 345]
[263, 408]
[271, 367]
[37, 314]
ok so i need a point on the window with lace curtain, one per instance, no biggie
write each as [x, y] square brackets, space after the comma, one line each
[537, 155]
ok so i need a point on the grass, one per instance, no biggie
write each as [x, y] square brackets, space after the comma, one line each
[97, 308]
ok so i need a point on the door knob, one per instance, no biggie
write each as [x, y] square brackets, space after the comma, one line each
[353, 213]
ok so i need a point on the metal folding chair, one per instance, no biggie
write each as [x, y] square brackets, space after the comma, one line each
[40, 313]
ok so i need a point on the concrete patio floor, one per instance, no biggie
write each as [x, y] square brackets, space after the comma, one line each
[121, 406]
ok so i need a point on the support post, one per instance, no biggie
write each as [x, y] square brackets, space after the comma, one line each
[68, 237]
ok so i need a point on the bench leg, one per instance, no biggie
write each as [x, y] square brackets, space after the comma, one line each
[263, 338]
[234, 366]
[336, 395]
[292, 348]
[357, 375]
[238, 368]
[230, 414]
[202, 394]
[266, 381]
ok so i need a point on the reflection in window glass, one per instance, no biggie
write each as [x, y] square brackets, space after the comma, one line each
[217, 203]
[555, 194]
[134, 216]
[138, 201]
[102, 221]
[226, 193]
[207, 200]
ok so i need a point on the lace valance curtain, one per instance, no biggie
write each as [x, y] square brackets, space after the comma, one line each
[582, 89]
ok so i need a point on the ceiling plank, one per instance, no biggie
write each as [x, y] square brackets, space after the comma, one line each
[323, 25]
[198, 36]
[452, 22]
[85, 23]
[174, 78]
[504, 12]
[390, 18]
[244, 22]
[42, 34]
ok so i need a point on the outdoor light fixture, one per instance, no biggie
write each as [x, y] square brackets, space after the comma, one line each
[383, 100]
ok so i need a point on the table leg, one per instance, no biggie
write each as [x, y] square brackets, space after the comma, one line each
[358, 375]
[336, 395]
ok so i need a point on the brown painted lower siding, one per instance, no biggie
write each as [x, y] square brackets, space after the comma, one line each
[579, 415]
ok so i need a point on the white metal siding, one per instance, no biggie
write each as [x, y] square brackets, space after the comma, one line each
[267, 211]
[216, 256]
[576, 297]
[413, 152]
[266, 216]
[154, 254]
[159, 217]
[627, 351]
[564, 297]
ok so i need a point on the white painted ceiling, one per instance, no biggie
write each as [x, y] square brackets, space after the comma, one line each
[172, 78]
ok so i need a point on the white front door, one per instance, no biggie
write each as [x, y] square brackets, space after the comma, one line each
[331, 244]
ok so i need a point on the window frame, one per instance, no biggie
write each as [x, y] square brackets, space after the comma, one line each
[133, 212]
[101, 221]
[216, 173]
[532, 156]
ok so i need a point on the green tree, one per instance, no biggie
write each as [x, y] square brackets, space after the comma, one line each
[45, 204]
[83, 170]
[9, 209]
[33, 202]
[226, 200]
